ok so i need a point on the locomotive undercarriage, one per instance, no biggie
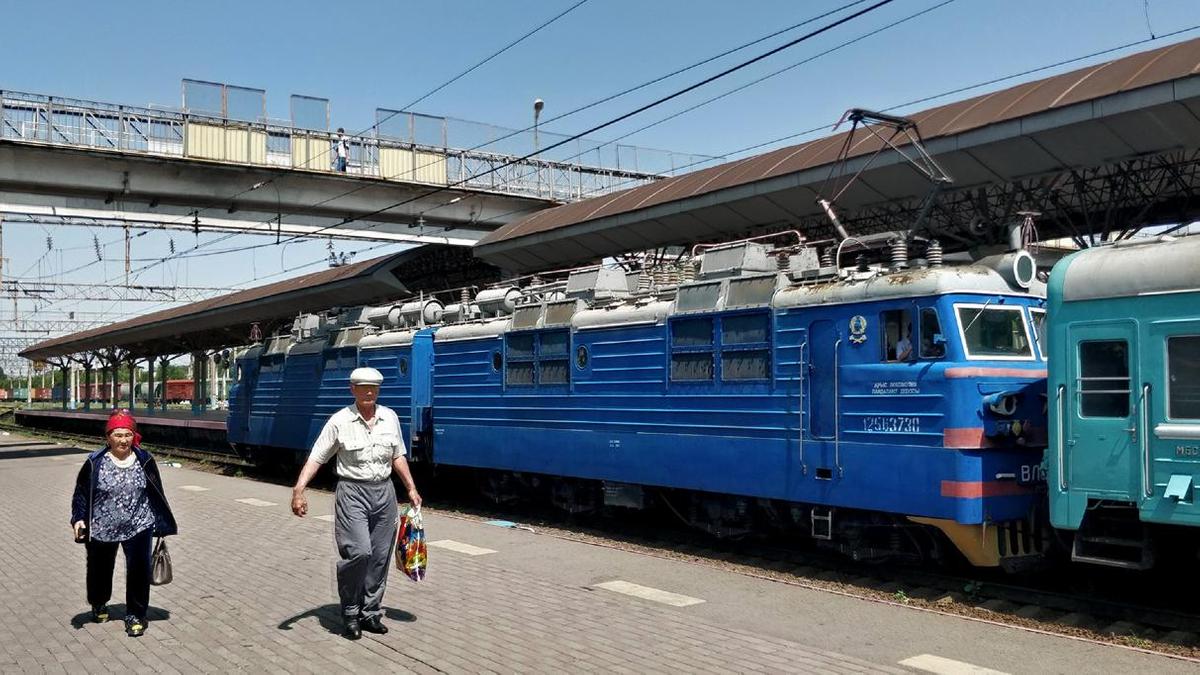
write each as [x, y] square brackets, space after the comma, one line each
[1112, 534]
[863, 536]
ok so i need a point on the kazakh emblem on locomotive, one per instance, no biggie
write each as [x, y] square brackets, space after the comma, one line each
[858, 329]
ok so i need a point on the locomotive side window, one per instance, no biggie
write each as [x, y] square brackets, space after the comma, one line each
[520, 359]
[692, 350]
[1039, 329]
[1103, 382]
[745, 347]
[1183, 377]
[994, 332]
[552, 357]
[933, 341]
[897, 335]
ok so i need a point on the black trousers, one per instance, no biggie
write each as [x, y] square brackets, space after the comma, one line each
[102, 556]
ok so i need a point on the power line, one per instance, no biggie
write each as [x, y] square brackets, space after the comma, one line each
[196, 213]
[569, 113]
[657, 102]
[770, 75]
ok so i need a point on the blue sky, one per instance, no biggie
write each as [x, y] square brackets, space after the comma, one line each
[364, 55]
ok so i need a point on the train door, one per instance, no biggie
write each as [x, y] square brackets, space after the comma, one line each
[1103, 434]
[822, 383]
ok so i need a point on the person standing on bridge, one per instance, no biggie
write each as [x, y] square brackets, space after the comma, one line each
[119, 502]
[369, 446]
[341, 151]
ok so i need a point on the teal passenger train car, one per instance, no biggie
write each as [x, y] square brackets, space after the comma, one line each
[1124, 412]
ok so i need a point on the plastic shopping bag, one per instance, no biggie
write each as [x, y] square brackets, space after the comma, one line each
[411, 557]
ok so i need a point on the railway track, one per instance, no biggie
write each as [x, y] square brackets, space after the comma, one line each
[1081, 603]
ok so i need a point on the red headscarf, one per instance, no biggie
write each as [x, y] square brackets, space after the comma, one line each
[121, 419]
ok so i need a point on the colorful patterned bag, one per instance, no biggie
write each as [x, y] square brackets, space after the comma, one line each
[411, 557]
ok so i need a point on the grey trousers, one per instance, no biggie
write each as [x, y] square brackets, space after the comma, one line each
[364, 529]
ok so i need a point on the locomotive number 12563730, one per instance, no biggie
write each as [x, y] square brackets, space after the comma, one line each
[892, 425]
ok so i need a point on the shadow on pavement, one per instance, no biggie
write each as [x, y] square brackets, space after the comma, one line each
[330, 617]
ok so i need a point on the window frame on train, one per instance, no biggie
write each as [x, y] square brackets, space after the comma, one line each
[1082, 395]
[1169, 374]
[987, 307]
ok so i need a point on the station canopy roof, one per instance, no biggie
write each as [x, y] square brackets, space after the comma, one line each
[1132, 107]
[226, 320]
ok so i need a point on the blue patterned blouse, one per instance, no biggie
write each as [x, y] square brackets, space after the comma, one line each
[120, 509]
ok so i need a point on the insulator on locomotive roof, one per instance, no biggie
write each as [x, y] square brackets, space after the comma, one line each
[827, 257]
[933, 253]
[899, 253]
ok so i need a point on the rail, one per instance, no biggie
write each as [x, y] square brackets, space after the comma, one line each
[35, 118]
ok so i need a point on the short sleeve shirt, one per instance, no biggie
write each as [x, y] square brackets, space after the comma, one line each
[364, 451]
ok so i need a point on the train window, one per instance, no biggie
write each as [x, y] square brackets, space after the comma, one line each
[520, 346]
[1183, 377]
[751, 364]
[553, 372]
[692, 333]
[497, 361]
[692, 367]
[553, 343]
[581, 357]
[897, 335]
[1039, 329]
[994, 332]
[1104, 378]
[746, 329]
[933, 341]
[519, 373]
[403, 366]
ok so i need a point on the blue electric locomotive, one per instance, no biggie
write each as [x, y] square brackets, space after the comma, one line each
[1124, 455]
[866, 406]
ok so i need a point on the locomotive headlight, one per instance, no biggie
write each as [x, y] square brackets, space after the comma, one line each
[1001, 403]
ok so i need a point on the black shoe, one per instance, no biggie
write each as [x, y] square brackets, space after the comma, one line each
[374, 624]
[134, 627]
[100, 614]
[351, 629]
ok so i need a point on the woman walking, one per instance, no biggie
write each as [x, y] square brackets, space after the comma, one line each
[119, 501]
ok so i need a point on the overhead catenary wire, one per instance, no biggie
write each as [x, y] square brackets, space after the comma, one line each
[221, 203]
[569, 113]
[824, 127]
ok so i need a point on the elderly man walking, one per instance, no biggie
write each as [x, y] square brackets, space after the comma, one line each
[368, 444]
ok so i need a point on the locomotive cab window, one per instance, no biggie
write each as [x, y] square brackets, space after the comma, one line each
[897, 335]
[992, 331]
[933, 341]
[1039, 329]
[1103, 382]
[1183, 377]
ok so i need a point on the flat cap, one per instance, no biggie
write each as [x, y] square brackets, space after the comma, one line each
[366, 376]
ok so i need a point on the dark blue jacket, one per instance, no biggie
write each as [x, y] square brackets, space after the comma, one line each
[85, 488]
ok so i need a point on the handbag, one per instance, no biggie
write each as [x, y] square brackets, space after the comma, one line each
[160, 564]
[411, 554]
